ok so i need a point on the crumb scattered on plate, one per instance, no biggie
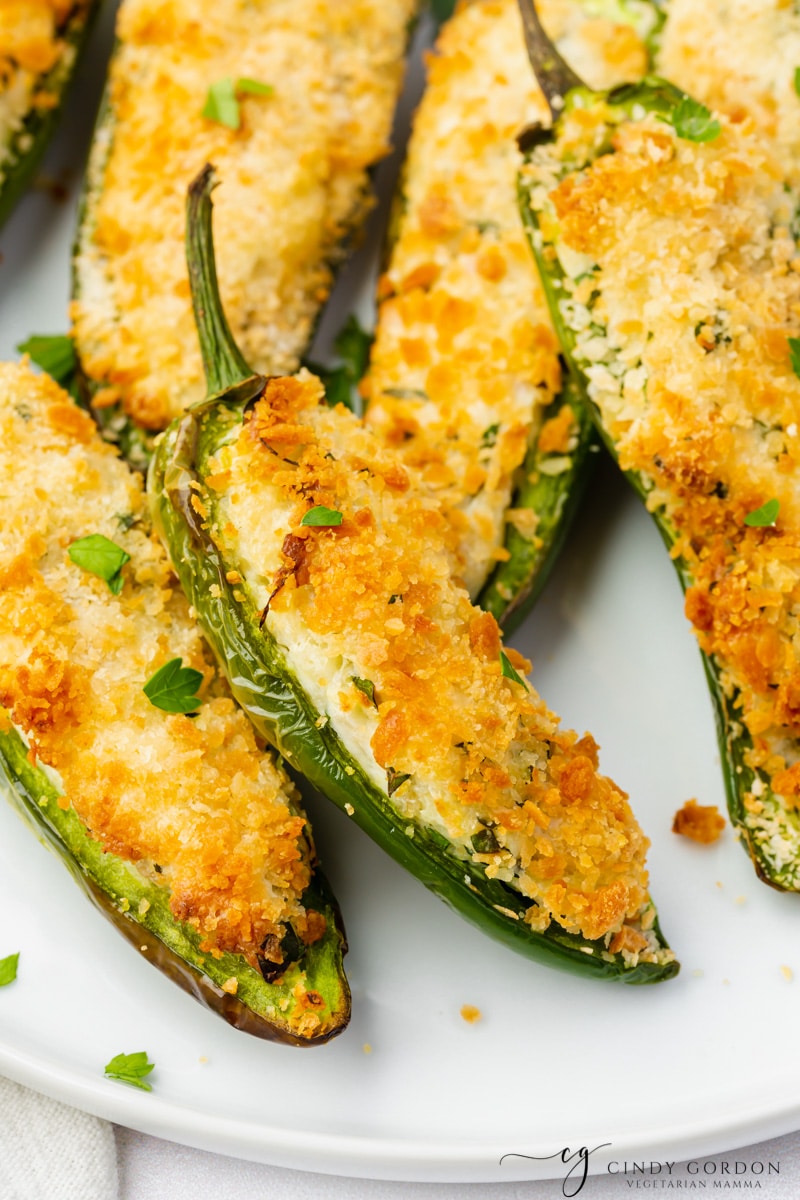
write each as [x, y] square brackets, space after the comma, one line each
[367, 1048]
[787, 973]
[470, 1013]
[700, 822]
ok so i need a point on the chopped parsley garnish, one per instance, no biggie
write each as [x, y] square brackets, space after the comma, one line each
[102, 557]
[489, 437]
[797, 80]
[693, 122]
[8, 969]
[130, 1068]
[320, 515]
[764, 516]
[794, 354]
[394, 780]
[508, 671]
[54, 353]
[252, 87]
[396, 598]
[222, 101]
[173, 688]
[367, 687]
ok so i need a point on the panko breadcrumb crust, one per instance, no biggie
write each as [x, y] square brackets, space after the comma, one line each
[32, 44]
[465, 360]
[688, 294]
[294, 182]
[192, 801]
[375, 600]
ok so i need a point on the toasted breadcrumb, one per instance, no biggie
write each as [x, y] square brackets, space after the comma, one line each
[294, 181]
[465, 360]
[699, 822]
[193, 802]
[486, 763]
[682, 299]
[470, 1013]
[787, 973]
[32, 44]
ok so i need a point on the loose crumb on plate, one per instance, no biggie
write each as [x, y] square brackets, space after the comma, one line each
[787, 973]
[470, 1013]
[700, 822]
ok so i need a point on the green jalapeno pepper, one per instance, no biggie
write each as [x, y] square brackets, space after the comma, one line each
[708, 515]
[265, 670]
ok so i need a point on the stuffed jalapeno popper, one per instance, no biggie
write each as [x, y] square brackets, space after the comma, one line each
[323, 572]
[125, 751]
[294, 99]
[40, 41]
[666, 240]
[465, 379]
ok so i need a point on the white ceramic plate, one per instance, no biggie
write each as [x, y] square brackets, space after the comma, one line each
[685, 1068]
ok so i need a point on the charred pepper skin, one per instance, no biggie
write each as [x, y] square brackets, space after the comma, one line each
[29, 143]
[261, 678]
[660, 97]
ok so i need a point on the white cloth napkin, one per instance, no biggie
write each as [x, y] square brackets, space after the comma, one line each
[49, 1151]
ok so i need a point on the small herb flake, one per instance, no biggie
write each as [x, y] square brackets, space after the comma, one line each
[222, 103]
[396, 598]
[322, 516]
[173, 687]
[252, 87]
[797, 80]
[367, 687]
[764, 516]
[693, 122]
[102, 557]
[394, 780]
[508, 671]
[8, 969]
[130, 1068]
[794, 354]
[489, 437]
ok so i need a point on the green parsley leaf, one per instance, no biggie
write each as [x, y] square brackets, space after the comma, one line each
[508, 671]
[367, 687]
[173, 687]
[221, 104]
[252, 87]
[130, 1068]
[797, 80]
[8, 969]
[394, 780]
[764, 516]
[693, 122]
[794, 354]
[489, 437]
[54, 353]
[101, 557]
[320, 515]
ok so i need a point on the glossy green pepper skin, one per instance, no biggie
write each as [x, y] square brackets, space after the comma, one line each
[262, 679]
[140, 911]
[28, 144]
[652, 95]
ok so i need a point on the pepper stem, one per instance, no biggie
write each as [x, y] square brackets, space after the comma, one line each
[553, 75]
[223, 362]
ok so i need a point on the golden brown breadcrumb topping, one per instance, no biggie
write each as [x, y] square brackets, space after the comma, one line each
[192, 801]
[374, 599]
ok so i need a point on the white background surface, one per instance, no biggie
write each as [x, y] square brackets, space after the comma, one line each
[703, 1063]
